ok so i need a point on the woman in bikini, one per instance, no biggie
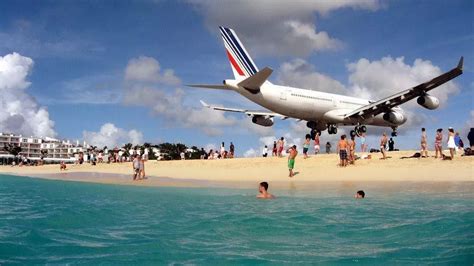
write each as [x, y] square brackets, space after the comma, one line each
[438, 143]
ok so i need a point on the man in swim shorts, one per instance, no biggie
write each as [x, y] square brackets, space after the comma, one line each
[263, 188]
[291, 159]
[342, 147]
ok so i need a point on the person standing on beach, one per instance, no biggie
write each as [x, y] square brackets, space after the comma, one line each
[222, 150]
[352, 147]
[136, 167]
[342, 147]
[265, 151]
[291, 159]
[316, 143]
[232, 150]
[328, 147]
[363, 146]
[439, 143]
[391, 145]
[424, 144]
[470, 137]
[275, 150]
[281, 145]
[451, 143]
[383, 145]
[141, 167]
[306, 144]
[263, 191]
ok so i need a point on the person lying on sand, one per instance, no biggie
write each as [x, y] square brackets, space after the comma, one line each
[263, 187]
[360, 194]
[416, 155]
[446, 158]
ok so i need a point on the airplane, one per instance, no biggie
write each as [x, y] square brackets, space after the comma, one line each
[321, 110]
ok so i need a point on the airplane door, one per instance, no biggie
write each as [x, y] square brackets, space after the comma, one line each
[283, 96]
[335, 102]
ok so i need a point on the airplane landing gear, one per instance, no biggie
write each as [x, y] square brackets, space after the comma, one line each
[315, 128]
[332, 129]
[394, 132]
[314, 132]
[358, 130]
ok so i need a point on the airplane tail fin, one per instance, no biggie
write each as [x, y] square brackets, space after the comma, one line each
[240, 61]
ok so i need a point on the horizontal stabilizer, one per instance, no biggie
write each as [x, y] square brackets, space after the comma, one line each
[209, 86]
[254, 82]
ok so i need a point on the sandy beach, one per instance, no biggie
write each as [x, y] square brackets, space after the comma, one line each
[244, 172]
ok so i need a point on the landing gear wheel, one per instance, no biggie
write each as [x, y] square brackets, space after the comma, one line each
[313, 133]
[363, 129]
[332, 129]
[394, 132]
[353, 133]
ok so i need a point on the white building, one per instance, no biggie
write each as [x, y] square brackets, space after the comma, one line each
[30, 147]
[35, 148]
[59, 149]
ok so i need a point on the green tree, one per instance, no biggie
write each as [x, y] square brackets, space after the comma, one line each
[12, 149]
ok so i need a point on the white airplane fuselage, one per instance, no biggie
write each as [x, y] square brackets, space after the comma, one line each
[310, 105]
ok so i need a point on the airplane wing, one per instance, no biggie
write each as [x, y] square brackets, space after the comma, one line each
[386, 104]
[244, 111]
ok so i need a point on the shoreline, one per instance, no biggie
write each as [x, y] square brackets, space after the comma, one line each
[247, 172]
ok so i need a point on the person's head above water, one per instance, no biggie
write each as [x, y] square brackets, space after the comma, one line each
[263, 187]
[360, 194]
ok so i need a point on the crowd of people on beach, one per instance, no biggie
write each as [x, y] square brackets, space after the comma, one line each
[222, 153]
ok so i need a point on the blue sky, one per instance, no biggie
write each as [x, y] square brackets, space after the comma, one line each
[81, 50]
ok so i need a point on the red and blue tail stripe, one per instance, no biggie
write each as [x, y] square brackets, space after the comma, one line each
[238, 56]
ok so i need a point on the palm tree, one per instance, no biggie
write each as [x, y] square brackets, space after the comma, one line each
[12, 149]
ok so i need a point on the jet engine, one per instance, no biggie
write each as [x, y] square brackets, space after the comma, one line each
[394, 117]
[428, 101]
[263, 121]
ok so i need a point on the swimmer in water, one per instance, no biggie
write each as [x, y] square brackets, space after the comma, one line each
[360, 194]
[263, 191]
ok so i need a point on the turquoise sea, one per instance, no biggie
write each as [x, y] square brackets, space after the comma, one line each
[57, 222]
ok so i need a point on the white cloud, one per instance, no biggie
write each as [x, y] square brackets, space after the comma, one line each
[145, 86]
[109, 135]
[170, 106]
[148, 69]
[277, 27]
[20, 113]
[250, 153]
